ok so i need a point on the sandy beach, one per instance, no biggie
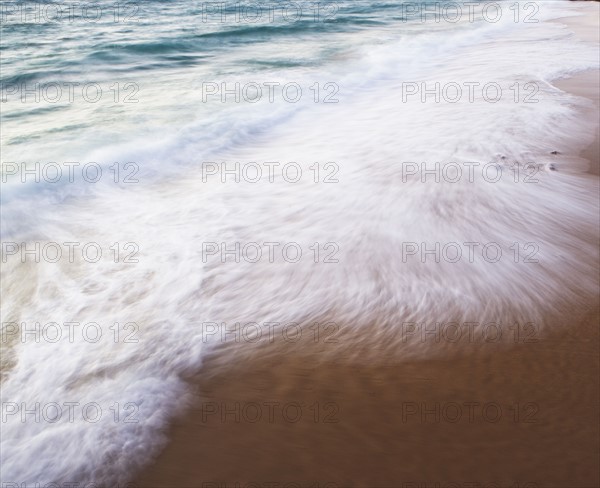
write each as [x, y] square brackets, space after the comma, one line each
[548, 392]
[300, 244]
[586, 84]
[553, 444]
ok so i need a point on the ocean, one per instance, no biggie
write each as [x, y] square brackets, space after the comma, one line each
[173, 168]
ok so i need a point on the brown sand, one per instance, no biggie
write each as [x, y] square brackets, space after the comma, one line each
[554, 442]
[587, 84]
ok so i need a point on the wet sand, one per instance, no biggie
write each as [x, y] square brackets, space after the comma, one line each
[373, 429]
[546, 393]
[587, 84]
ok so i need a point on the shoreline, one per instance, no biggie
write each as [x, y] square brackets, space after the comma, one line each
[548, 434]
[586, 84]
[548, 385]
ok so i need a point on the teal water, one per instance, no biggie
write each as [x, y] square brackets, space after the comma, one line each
[159, 53]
